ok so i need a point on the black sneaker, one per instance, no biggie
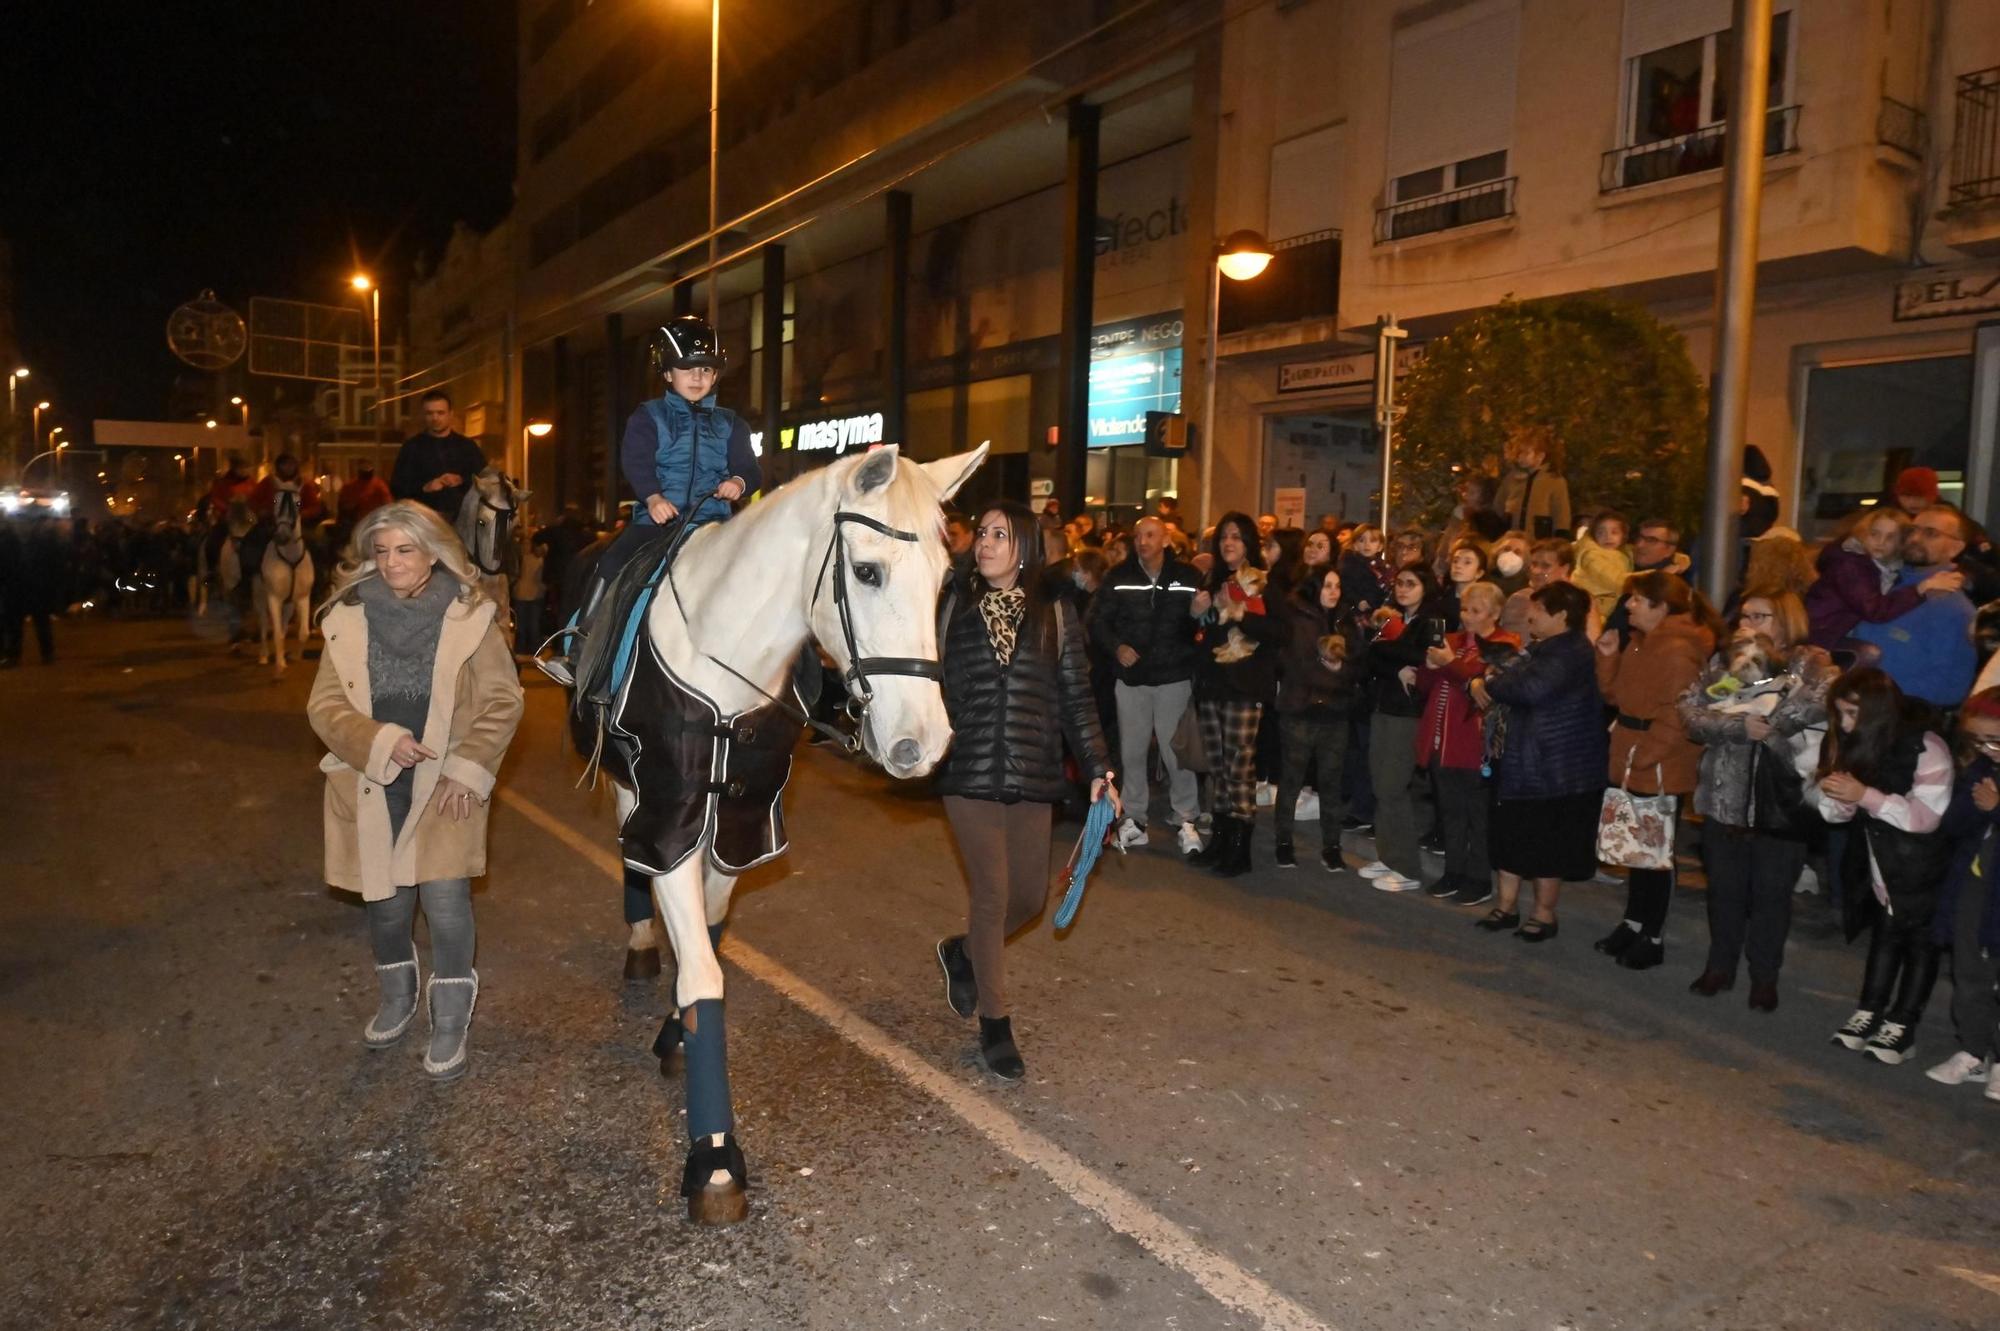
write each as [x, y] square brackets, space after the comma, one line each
[1283, 856]
[961, 990]
[1353, 824]
[1472, 892]
[1330, 860]
[1447, 886]
[1855, 1033]
[1890, 1043]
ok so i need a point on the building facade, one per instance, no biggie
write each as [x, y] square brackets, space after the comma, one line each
[1470, 151]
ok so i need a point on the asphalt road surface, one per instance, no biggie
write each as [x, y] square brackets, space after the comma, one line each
[1284, 1101]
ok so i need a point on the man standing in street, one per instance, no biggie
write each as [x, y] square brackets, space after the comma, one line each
[436, 467]
[1140, 621]
[1928, 651]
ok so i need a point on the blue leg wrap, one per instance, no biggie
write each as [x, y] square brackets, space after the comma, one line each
[706, 1048]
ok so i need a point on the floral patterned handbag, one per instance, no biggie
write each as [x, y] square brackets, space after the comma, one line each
[1637, 831]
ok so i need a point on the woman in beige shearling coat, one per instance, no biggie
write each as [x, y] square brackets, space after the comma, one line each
[416, 700]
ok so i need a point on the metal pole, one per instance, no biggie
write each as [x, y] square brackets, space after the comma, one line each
[1735, 295]
[895, 317]
[1208, 391]
[714, 140]
[1387, 335]
[375, 322]
[1079, 273]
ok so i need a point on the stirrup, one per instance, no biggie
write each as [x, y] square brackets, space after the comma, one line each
[557, 669]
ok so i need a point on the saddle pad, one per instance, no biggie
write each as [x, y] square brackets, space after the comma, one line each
[609, 627]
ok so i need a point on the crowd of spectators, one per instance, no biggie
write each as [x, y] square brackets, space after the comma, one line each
[1466, 699]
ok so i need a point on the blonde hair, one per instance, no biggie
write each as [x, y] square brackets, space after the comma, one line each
[1494, 598]
[425, 529]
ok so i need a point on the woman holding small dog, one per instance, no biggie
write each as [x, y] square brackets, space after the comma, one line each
[1236, 656]
[1408, 627]
[1757, 710]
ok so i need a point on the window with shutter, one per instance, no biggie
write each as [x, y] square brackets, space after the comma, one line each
[1451, 120]
[1679, 68]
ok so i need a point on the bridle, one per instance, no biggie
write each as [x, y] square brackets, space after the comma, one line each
[859, 668]
[506, 515]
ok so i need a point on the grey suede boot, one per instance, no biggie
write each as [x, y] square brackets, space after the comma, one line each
[451, 1004]
[399, 1004]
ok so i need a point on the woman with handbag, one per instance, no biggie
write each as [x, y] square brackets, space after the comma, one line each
[1546, 726]
[1016, 686]
[1887, 774]
[1758, 708]
[1653, 762]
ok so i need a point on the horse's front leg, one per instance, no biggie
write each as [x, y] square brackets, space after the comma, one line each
[274, 609]
[713, 1181]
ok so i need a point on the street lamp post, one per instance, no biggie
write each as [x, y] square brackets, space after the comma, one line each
[714, 140]
[533, 430]
[244, 407]
[1239, 258]
[35, 435]
[55, 453]
[363, 283]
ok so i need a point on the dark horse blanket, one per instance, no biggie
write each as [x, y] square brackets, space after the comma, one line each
[695, 773]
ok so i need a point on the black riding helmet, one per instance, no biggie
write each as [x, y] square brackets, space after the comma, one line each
[684, 342]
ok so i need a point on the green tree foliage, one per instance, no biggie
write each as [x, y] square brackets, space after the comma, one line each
[1608, 386]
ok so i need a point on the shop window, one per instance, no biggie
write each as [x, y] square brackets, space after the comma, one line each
[1865, 423]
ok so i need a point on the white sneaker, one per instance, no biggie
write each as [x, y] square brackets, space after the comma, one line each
[1808, 884]
[1131, 833]
[1267, 794]
[1960, 1068]
[1190, 839]
[1307, 809]
[1374, 869]
[1993, 1089]
[1395, 882]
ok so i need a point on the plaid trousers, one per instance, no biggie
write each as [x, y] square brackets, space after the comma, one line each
[1229, 733]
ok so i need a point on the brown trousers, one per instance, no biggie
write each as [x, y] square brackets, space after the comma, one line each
[1006, 852]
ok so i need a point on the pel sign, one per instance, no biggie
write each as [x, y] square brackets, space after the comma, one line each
[1940, 297]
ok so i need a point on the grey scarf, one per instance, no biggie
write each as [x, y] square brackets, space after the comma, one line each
[402, 641]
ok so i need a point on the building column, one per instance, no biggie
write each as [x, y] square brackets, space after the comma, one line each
[772, 407]
[615, 393]
[566, 416]
[1079, 289]
[895, 316]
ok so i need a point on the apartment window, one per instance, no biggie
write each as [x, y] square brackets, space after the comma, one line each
[1680, 68]
[1451, 120]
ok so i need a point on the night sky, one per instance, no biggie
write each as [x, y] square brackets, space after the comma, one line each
[252, 146]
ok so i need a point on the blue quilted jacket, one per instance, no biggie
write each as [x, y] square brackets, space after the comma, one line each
[1556, 741]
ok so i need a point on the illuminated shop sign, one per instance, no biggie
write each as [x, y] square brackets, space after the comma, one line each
[1124, 388]
[835, 436]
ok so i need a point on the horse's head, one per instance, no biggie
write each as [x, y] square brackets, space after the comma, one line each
[486, 516]
[887, 578]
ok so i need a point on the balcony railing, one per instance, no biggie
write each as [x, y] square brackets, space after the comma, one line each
[1975, 146]
[1691, 154]
[1900, 126]
[1487, 201]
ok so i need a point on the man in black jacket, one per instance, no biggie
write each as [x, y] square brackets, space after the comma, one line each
[437, 466]
[1140, 621]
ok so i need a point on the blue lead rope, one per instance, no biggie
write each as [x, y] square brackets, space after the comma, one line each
[1084, 858]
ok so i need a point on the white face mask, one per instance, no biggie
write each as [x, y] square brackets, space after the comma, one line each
[1509, 564]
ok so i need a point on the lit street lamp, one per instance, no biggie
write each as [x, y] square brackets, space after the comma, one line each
[1244, 255]
[365, 284]
[533, 430]
[35, 435]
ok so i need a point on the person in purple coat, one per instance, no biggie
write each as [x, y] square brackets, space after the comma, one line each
[1858, 580]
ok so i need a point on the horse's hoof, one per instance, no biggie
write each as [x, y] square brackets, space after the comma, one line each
[642, 963]
[710, 1203]
[728, 1204]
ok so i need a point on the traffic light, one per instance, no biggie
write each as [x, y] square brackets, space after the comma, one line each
[1166, 434]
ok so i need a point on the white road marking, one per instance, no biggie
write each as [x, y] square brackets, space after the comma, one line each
[1984, 1280]
[1224, 1279]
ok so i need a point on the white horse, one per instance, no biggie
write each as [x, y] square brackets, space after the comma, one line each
[852, 555]
[284, 580]
[486, 525]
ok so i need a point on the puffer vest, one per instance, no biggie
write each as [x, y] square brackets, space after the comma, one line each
[685, 471]
[1913, 864]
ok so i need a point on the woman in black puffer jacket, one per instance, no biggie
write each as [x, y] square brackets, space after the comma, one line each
[1016, 685]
